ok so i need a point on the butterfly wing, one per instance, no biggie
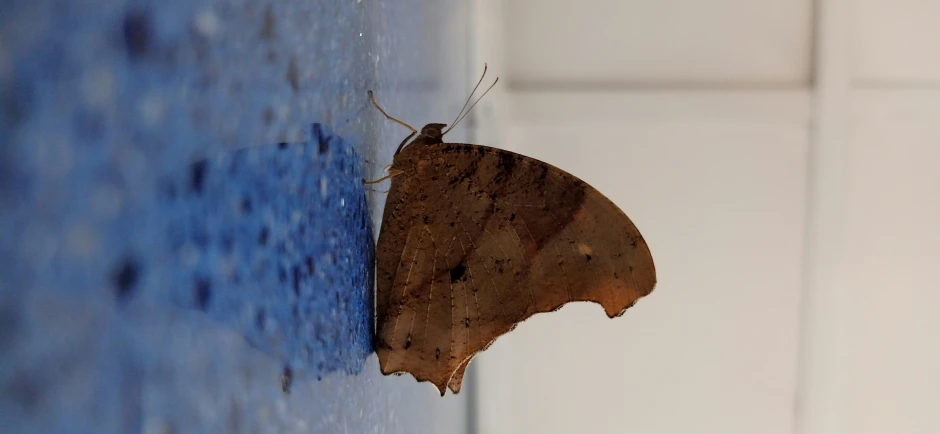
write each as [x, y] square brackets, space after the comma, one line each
[475, 240]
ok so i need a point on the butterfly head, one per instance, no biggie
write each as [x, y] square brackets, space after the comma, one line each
[431, 134]
[433, 131]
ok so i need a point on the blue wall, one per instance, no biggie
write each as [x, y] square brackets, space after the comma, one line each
[181, 214]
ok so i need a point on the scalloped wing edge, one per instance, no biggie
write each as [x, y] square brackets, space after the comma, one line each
[455, 389]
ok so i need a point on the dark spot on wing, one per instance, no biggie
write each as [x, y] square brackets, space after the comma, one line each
[457, 273]
[543, 174]
[504, 167]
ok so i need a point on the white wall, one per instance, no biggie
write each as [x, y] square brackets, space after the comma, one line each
[781, 159]
[596, 43]
[870, 352]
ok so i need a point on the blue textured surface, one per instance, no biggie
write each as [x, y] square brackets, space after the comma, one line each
[139, 290]
[274, 241]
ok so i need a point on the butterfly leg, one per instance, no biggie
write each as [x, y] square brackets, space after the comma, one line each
[391, 174]
[372, 98]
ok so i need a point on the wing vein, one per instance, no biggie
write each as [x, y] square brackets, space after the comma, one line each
[405, 290]
[538, 255]
[431, 290]
[476, 301]
[473, 245]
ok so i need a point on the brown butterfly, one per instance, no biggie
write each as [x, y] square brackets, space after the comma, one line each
[475, 240]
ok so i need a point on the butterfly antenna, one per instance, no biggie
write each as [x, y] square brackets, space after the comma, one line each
[471, 107]
[485, 67]
[372, 98]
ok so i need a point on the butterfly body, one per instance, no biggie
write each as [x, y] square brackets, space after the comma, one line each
[476, 239]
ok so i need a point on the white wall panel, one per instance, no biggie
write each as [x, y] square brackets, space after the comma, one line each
[594, 43]
[897, 41]
[720, 202]
[723, 183]
[874, 356]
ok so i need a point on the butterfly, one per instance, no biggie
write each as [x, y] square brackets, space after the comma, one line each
[476, 239]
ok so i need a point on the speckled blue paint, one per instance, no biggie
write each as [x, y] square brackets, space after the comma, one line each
[275, 241]
[136, 294]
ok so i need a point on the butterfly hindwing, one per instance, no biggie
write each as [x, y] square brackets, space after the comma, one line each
[476, 239]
